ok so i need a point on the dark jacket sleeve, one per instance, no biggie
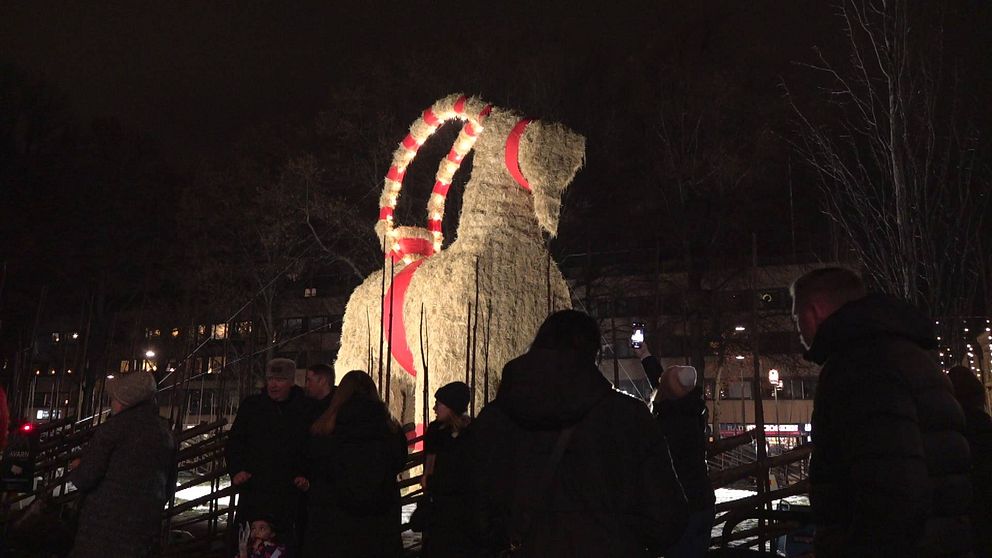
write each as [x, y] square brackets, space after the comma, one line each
[653, 369]
[236, 450]
[301, 452]
[96, 457]
[889, 493]
[658, 514]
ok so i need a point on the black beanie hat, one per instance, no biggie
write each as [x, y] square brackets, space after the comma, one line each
[455, 396]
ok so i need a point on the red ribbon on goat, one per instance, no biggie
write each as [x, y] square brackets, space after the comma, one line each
[398, 346]
[512, 157]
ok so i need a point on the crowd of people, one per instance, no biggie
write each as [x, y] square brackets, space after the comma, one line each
[562, 464]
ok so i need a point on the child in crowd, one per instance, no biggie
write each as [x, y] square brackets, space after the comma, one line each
[260, 540]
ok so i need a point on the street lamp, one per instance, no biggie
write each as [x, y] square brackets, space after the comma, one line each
[775, 382]
[149, 354]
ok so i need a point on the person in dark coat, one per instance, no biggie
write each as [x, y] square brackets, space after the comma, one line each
[889, 470]
[612, 493]
[680, 409]
[970, 393]
[447, 481]
[354, 498]
[266, 450]
[319, 386]
[125, 474]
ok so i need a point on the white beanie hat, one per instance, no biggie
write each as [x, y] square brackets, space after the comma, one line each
[677, 381]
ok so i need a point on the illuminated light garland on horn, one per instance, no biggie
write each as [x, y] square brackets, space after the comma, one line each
[407, 244]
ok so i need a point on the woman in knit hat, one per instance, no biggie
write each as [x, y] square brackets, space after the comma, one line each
[446, 475]
[124, 473]
[680, 408]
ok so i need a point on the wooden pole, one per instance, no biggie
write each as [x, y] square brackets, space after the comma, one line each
[382, 322]
[759, 413]
[388, 356]
[368, 328]
[616, 360]
[425, 368]
[475, 337]
[468, 341]
[547, 276]
[489, 330]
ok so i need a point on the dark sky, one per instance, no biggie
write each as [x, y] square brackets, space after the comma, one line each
[193, 78]
[194, 75]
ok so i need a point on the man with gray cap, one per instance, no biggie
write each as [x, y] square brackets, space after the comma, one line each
[124, 473]
[266, 448]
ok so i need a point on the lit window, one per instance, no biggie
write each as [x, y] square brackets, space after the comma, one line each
[219, 331]
[309, 292]
[201, 330]
[216, 364]
[55, 337]
[244, 328]
[125, 366]
[175, 332]
[151, 333]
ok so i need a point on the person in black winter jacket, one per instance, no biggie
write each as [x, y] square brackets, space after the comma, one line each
[612, 492]
[266, 450]
[970, 393]
[680, 409]
[889, 470]
[447, 476]
[355, 498]
[125, 474]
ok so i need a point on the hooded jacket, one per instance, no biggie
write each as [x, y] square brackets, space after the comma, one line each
[979, 435]
[889, 471]
[614, 492]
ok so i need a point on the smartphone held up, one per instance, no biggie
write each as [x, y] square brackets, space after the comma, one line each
[637, 337]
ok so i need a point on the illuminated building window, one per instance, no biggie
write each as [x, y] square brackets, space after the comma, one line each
[151, 333]
[125, 366]
[56, 337]
[219, 331]
[216, 364]
[244, 328]
[309, 292]
[175, 332]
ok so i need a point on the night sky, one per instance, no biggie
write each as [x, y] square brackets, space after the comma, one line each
[192, 76]
[157, 92]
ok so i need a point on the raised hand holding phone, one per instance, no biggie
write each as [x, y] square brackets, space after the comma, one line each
[637, 337]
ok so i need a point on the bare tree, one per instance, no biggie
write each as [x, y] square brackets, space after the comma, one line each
[897, 160]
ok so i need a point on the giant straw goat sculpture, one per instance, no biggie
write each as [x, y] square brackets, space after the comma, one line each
[498, 264]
